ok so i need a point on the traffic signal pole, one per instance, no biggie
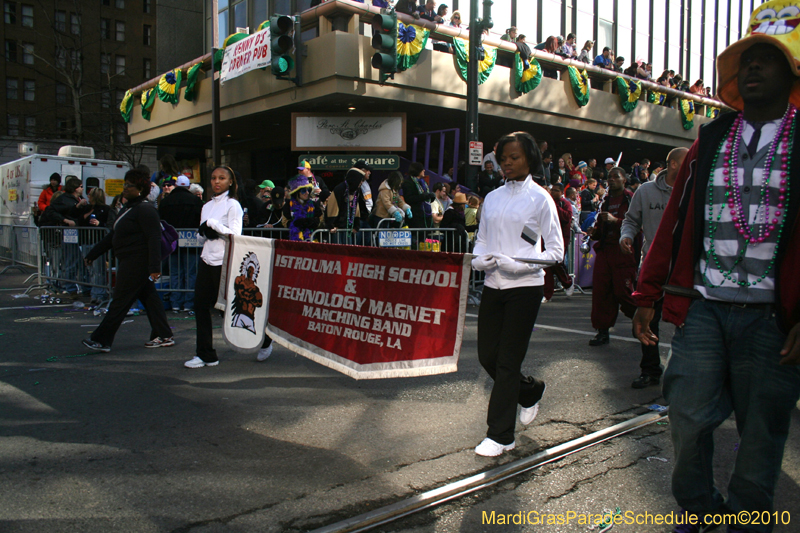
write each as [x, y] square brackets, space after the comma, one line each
[476, 27]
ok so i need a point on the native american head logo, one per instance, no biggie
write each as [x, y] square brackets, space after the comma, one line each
[246, 295]
[775, 18]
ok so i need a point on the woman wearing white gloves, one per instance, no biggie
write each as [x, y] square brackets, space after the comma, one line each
[516, 220]
[222, 215]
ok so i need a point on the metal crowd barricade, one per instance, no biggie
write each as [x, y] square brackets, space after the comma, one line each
[425, 239]
[573, 252]
[19, 245]
[62, 269]
[267, 233]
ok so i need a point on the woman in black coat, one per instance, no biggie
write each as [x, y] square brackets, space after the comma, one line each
[136, 240]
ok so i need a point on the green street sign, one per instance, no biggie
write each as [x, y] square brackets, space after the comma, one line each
[346, 161]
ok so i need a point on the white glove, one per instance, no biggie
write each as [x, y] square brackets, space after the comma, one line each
[483, 262]
[214, 224]
[506, 264]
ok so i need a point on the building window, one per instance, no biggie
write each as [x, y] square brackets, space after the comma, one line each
[10, 13]
[120, 64]
[11, 51]
[60, 21]
[240, 14]
[146, 68]
[105, 63]
[105, 29]
[61, 58]
[105, 99]
[146, 35]
[121, 133]
[29, 90]
[120, 31]
[61, 93]
[13, 125]
[30, 126]
[75, 59]
[62, 126]
[75, 24]
[27, 16]
[27, 53]
[120, 4]
[12, 88]
[146, 6]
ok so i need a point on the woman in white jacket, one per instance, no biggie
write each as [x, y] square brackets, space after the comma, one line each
[222, 215]
[516, 220]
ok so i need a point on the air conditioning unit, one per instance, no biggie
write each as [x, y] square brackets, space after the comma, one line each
[76, 151]
[26, 148]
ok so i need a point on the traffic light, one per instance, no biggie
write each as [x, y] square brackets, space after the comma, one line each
[384, 40]
[282, 43]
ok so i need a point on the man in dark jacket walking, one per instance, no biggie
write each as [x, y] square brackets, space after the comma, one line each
[181, 209]
[727, 272]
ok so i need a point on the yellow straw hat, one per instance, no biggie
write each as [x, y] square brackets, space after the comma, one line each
[774, 23]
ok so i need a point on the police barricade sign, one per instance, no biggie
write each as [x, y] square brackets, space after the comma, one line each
[70, 236]
[188, 239]
[364, 311]
[394, 239]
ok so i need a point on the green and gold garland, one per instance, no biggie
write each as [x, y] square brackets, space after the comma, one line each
[526, 79]
[191, 81]
[580, 85]
[411, 41]
[148, 99]
[126, 106]
[229, 40]
[687, 113]
[629, 93]
[712, 112]
[168, 86]
[462, 60]
[655, 97]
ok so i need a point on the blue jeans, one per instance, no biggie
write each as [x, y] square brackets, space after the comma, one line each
[726, 359]
[182, 275]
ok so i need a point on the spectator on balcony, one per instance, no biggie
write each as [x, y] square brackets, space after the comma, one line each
[586, 52]
[645, 71]
[524, 51]
[568, 48]
[428, 12]
[551, 45]
[619, 62]
[409, 7]
[510, 35]
[698, 88]
[455, 19]
[604, 60]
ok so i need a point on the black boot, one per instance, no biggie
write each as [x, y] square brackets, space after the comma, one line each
[600, 339]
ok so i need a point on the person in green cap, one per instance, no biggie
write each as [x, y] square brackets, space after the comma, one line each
[266, 187]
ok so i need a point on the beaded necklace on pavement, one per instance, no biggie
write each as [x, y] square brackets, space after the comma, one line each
[761, 230]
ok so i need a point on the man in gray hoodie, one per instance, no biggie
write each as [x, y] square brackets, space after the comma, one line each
[644, 214]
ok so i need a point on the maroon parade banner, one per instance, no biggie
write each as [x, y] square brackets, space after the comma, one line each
[369, 312]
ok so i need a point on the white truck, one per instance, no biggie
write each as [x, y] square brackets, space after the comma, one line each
[22, 181]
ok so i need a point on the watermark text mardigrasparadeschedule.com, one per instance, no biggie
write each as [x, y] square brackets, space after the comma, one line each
[537, 518]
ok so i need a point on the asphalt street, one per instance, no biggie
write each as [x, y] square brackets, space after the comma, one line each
[132, 441]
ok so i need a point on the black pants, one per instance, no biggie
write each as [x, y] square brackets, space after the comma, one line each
[133, 282]
[206, 289]
[651, 358]
[505, 323]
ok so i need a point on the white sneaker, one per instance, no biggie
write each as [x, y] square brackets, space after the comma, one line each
[569, 291]
[490, 448]
[264, 353]
[196, 362]
[545, 300]
[528, 414]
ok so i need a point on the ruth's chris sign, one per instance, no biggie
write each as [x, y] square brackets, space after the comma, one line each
[348, 131]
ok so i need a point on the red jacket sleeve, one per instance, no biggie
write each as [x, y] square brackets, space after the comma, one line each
[656, 267]
[44, 200]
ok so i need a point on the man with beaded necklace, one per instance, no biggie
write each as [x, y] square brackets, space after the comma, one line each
[724, 260]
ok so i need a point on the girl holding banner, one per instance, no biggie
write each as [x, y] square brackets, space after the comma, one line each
[517, 219]
[221, 215]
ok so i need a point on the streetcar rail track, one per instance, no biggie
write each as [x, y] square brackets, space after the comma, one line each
[455, 490]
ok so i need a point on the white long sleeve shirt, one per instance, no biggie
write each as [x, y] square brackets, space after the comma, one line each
[224, 215]
[508, 210]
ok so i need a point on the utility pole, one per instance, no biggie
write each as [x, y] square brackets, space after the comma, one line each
[215, 133]
[476, 27]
